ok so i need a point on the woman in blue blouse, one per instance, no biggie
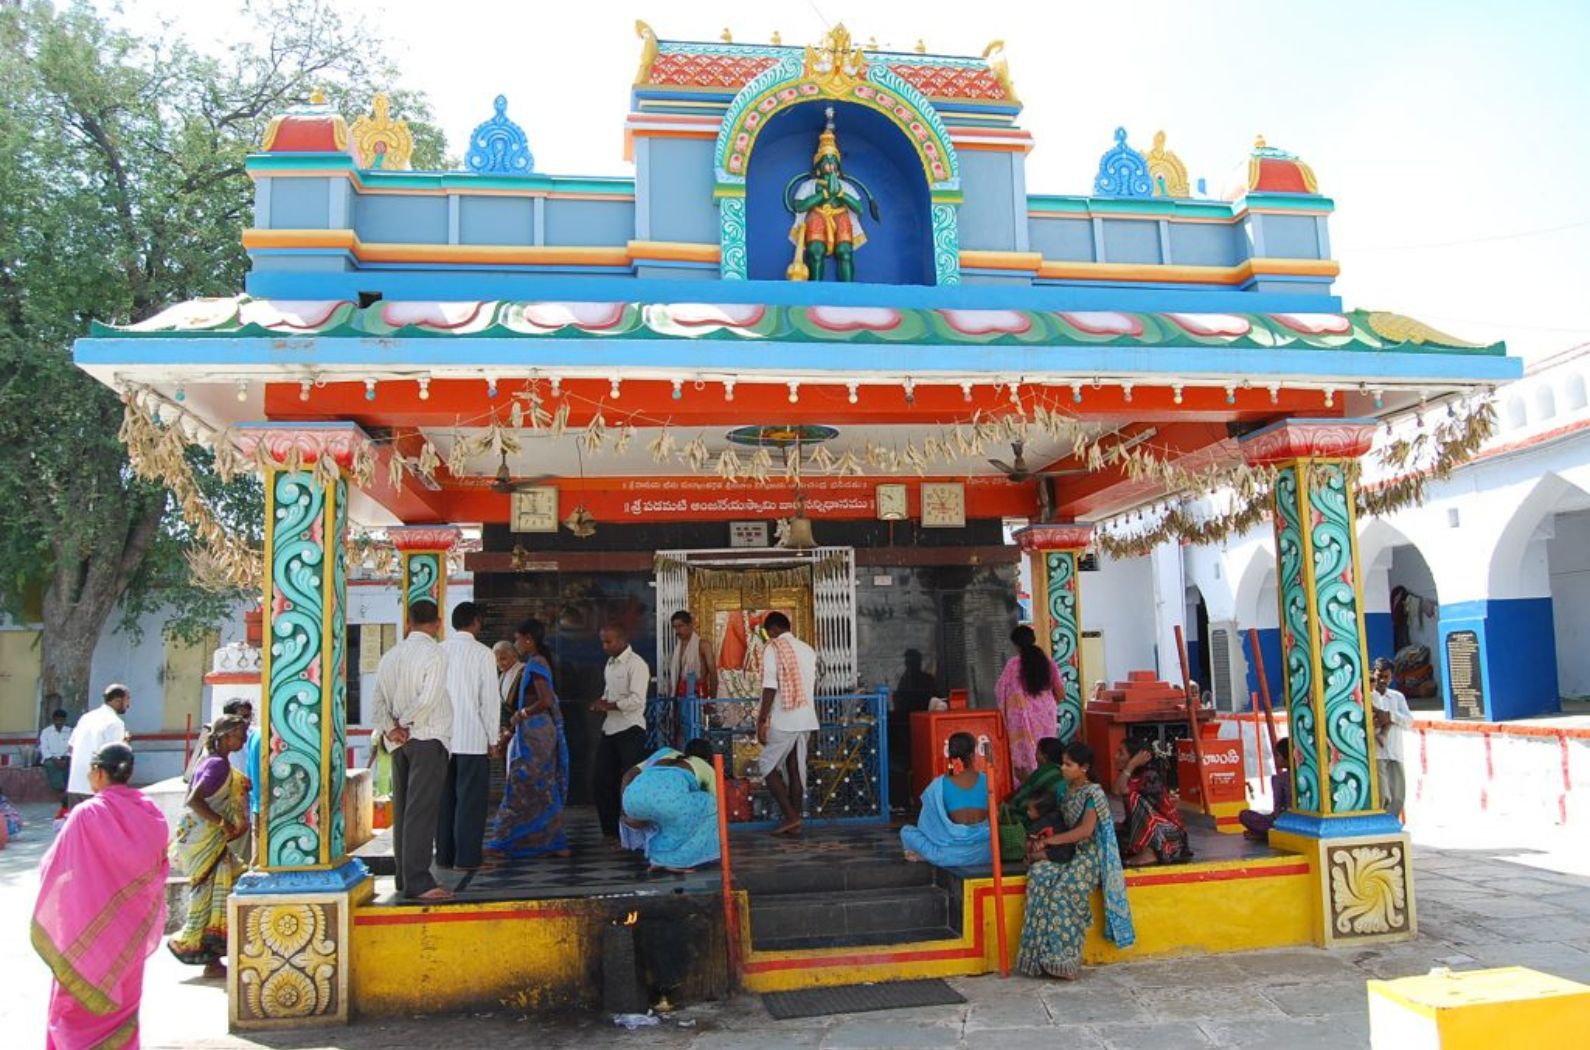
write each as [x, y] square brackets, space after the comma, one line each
[952, 829]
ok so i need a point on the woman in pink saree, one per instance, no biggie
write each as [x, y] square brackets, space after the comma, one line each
[101, 909]
[1026, 694]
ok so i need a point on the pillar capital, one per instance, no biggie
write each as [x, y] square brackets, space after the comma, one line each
[293, 445]
[423, 537]
[1293, 439]
[1069, 536]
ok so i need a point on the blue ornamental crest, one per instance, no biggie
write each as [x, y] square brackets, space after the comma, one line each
[498, 146]
[1123, 172]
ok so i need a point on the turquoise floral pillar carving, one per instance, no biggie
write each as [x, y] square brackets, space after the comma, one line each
[1360, 852]
[1053, 552]
[422, 554]
[288, 919]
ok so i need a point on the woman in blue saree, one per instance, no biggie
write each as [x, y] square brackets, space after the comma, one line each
[1060, 896]
[952, 829]
[668, 795]
[530, 818]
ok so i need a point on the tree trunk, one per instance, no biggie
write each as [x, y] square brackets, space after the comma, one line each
[82, 594]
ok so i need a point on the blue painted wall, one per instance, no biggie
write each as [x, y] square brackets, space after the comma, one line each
[988, 216]
[1070, 240]
[1195, 663]
[594, 223]
[393, 219]
[1206, 244]
[300, 204]
[1291, 236]
[1131, 241]
[1274, 672]
[899, 250]
[1379, 635]
[496, 220]
[1518, 655]
[678, 189]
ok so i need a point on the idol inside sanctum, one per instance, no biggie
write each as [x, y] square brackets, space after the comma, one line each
[823, 203]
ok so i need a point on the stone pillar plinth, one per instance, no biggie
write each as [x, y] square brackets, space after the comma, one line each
[1052, 553]
[422, 564]
[1360, 853]
[288, 919]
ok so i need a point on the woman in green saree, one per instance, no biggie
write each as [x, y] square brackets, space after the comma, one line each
[217, 813]
[1014, 823]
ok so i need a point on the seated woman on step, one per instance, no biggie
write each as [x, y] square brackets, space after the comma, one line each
[1044, 782]
[1059, 908]
[952, 829]
[1256, 825]
[682, 813]
[1154, 832]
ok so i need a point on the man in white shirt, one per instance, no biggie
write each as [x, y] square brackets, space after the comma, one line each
[101, 726]
[477, 713]
[787, 718]
[627, 679]
[55, 746]
[415, 718]
[1392, 717]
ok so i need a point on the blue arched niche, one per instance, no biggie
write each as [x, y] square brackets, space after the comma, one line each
[899, 250]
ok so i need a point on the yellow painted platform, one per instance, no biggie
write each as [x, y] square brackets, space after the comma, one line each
[1478, 1010]
[1189, 909]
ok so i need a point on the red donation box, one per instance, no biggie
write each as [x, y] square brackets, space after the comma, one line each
[1223, 770]
[930, 741]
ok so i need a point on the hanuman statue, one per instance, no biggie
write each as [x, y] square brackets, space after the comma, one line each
[822, 203]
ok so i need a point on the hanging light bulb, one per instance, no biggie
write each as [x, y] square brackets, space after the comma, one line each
[1076, 392]
[1380, 397]
[425, 388]
[181, 394]
[966, 391]
[1330, 396]
[303, 389]
[1175, 393]
[242, 389]
[369, 390]
[555, 385]
[1126, 392]
[1275, 393]
[1015, 393]
[614, 390]
[910, 390]
[794, 391]
[679, 389]
[1231, 395]
[852, 392]
[728, 390]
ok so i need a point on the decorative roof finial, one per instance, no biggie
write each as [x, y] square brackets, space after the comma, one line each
[726, 36]
[778, 38]
[648, 50]
[1167, 170]
[498, 146]
[317, 97]
[921, 46]
[1123, 172]
[994, 55]
[379, 141]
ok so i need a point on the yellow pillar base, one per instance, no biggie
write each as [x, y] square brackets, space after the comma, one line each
[289, 955]
[1365, 887]
[1477, 1010]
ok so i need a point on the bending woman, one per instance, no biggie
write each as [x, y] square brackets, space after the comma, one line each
[952, 829]
[684, 815]
[1059, 896]
[1026, 694]
[1154, 832]
[217, 813]
[101, 908]
[530, 817]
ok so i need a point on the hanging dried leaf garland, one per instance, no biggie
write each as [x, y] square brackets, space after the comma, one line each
[662, 446]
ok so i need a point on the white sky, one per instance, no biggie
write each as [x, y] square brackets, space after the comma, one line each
[1449, 134]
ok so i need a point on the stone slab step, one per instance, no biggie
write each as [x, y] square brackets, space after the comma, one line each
[832, 914]
[877, 938]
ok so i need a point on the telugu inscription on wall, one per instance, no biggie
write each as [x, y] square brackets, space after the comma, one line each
[1463, 675]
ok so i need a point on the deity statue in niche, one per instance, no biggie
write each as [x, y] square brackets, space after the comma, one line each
[827, 209]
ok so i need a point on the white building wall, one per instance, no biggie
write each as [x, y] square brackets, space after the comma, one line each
[1117, 600]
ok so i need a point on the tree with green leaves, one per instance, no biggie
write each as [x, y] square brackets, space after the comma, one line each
[122, 190]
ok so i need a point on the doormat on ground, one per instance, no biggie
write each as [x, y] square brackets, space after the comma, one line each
[859, 998]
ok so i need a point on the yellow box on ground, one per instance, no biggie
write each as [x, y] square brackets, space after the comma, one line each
[1476, 1010]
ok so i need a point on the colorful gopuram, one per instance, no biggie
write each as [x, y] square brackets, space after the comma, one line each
[826, 307]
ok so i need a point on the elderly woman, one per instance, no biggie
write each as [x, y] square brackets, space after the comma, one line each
[1059, 894]
[101, 908]
[217, 813]
[530, 818]
[952, 829]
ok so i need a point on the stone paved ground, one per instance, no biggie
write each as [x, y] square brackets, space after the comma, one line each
[1497, 905]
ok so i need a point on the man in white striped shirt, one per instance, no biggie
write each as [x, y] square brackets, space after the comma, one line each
[472, 687]
[413, 715]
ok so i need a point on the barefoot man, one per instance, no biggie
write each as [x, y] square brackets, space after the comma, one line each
[787, 718]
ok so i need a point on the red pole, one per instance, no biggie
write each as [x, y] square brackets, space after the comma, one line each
[187, 743]
[999, 869]
[1264, 692]
[731, 913]
[1192, 717]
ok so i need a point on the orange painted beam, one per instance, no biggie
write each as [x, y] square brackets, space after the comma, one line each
[651, 402]
[1085, 497]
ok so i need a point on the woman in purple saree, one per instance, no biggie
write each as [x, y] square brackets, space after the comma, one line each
[101, 909]
[530, 818]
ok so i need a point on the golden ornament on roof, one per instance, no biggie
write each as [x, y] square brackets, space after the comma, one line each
[648, 50]
[994, 54]
[836, 65]
[379, 142]
[1167, 171]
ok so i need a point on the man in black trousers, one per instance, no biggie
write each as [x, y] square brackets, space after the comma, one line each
[623, 742]
[477, 714]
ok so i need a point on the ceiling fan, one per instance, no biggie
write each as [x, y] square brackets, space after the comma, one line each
[1017, 470]
[504, 482]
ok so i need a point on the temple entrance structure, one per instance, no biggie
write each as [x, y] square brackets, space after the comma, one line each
[590, 369]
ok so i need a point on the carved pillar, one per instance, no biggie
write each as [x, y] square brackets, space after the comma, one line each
[422, 556]
[288, 919]
[1360, 853]
[1052, 554]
